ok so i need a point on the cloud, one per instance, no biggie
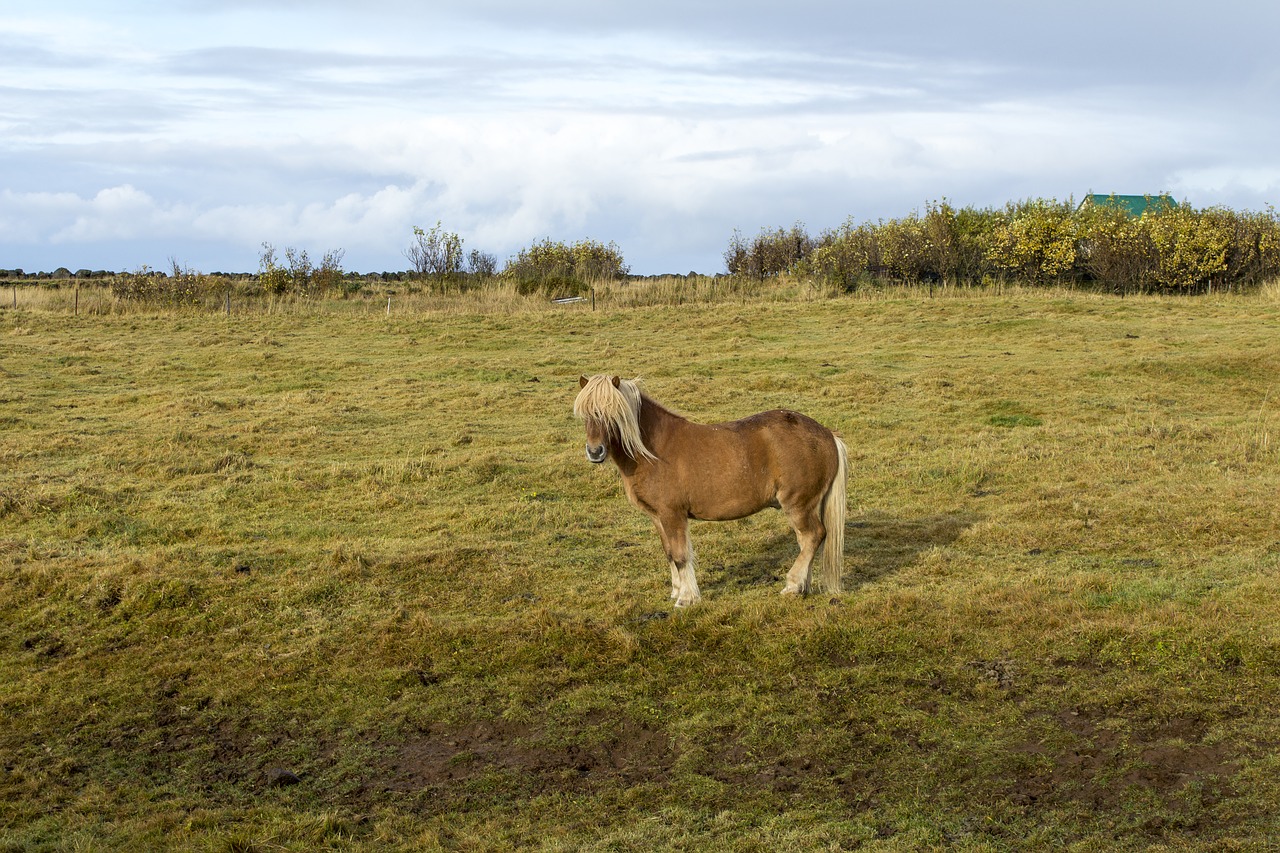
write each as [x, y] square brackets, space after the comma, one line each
[1230, 179]
[115, 213]
[205, 129]
[571, 175]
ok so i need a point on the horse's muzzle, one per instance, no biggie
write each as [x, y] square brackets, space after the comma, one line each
[597, 455]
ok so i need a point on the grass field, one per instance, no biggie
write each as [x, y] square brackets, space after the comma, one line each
[302, 581]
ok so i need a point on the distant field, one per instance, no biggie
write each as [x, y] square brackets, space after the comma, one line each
[344, 580]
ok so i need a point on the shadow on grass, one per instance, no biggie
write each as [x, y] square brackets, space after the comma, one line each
[876, 545]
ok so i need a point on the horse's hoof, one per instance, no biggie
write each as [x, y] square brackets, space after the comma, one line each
[682, 603]
[792, 589]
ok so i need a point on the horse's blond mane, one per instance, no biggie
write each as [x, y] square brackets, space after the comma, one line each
[618, 408]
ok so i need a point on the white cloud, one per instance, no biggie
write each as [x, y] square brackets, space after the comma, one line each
[209, 128]
[1235, 179]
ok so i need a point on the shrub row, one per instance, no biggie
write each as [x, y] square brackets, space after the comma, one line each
[184, 287]
[1168, 248]
[551, 267]
[298, 274]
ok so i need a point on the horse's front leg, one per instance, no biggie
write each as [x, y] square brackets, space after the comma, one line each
[679, 549]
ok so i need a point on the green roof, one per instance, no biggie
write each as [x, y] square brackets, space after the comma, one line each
[1134, 205]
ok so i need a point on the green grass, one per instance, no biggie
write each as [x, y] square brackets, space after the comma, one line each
[368, 550]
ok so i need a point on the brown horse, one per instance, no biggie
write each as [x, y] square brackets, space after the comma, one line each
[676, 470]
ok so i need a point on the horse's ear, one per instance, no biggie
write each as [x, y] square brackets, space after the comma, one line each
[582, 382]
[616, 380]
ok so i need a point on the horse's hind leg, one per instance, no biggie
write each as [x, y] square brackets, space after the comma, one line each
[675, 541]
[810, 533]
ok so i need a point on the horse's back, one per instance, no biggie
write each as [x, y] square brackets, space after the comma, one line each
[800, 444]
[783, 421]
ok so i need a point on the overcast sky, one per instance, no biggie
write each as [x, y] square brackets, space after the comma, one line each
[137, 132]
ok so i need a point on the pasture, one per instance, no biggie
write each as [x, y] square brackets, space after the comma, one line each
[339, 581]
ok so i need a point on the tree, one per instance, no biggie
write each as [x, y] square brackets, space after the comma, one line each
[300, 269]
[328, 276]
[435, 253]
[273, 277]
[482, 264]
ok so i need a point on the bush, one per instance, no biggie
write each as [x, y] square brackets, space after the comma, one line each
[184, 287]
[1190, 248]
[904, 254]
[300, 270]
[1113, 248]
[438, 259]
[1035, 241]
[298, 274]
[959, 241]
[846, 256]
[329, 275]
[482, 264]
[1253, 253]
[1038, 241]
[770, 253]
[1179, 248]
[271, 276]
[945, 245]
[563, 269]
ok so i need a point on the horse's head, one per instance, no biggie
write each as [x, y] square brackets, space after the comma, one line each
[597, 441]
[592, 406]
[610, 409]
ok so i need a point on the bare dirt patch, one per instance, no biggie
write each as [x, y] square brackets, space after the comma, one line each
[1104, 760]
[623, 752]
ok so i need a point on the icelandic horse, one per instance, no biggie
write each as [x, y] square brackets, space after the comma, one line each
[675, 470]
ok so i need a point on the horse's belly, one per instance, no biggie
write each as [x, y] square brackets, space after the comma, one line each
[729, 485]
[729, 507]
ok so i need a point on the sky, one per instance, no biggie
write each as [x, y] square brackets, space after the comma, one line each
[149, 133]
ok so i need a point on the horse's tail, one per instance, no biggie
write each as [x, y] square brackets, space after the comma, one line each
[833, 510]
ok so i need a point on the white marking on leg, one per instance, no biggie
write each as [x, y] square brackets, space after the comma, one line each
[798, 577]
[689, 593]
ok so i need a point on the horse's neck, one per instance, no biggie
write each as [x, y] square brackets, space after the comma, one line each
[657, 424]
[656, 421]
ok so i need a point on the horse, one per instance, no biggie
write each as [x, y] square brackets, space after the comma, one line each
[675, 469]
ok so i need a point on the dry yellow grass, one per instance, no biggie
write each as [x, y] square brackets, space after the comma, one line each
[367, 549]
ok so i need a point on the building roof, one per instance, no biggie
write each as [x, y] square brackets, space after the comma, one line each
[1134, 205]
